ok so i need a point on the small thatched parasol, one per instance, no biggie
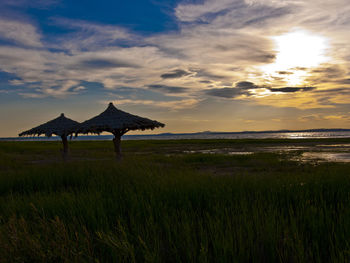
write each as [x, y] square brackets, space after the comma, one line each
[60, 126]
[118, 123]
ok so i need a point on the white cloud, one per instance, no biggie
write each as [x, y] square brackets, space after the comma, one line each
[192, 12]
[19, 32]
[90, 36]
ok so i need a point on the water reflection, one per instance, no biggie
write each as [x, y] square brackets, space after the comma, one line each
[304, 153]
[227, 151]
[325, 157]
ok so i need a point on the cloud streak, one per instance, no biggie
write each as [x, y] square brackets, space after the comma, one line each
[168, 89]
[178, 73]
[20, 33]
[291, 89]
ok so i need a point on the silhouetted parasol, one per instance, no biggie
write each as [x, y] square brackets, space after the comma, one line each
[118, 123]
[60, 126]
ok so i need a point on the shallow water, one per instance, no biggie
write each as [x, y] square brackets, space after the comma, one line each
[228, 151]
[312, 153]
[325, 157]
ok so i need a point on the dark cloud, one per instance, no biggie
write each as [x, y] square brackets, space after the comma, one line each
[332, 72]
[168, 89]
[344, 81]
[337, 91]
[241, 88]
[246, 85]
[332, 90]
[245, 88]
[256, 55]
[205, 81]
[225, 92]
[285, 73]
[291, 89]
[103, 64]
[178, 73]
[300, 68]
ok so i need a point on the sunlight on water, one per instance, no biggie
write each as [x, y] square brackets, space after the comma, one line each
[325, 157]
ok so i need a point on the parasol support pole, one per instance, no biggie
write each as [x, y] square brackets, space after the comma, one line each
[117, 146]
[65, 147]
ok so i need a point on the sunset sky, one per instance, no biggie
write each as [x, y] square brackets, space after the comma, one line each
[218, 65]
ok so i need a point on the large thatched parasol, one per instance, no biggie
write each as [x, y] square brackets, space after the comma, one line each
[118, 123]
[60, 126]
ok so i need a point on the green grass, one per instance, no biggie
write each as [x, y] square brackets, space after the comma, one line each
[159, 205]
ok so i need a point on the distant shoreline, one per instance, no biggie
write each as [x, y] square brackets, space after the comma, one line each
[297, 134]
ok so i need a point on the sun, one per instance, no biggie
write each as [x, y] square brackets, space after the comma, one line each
[297, 51]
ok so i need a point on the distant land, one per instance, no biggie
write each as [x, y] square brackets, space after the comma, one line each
[203, 135]
[268, 131]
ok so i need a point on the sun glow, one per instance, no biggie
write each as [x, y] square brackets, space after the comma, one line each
[297, 51]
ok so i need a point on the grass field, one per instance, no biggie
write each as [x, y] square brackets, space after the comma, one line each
[160, 205]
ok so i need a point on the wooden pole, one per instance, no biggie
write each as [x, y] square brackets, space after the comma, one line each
[117, 146]
[65, 147]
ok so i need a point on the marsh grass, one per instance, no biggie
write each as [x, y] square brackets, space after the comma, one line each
[163, 207]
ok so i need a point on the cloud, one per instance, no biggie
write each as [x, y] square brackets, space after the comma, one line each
[246, 85]
[21, 33]
[248, 89]
[32, 95]
[241, 88]
[79, 88]
[339, 91]
[225, 92]
[86, 35]
[291, 89]
[178, 73]
[237, 13]
[285, 73]
[168, 89]
[192, 12]
[344, 81]
[207, 74]
[172, 105]
[341, 117]
[101, 63]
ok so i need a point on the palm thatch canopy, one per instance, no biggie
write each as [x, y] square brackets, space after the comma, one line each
[60, 126]
[117, 122]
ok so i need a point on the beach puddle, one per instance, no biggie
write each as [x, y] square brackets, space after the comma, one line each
[219, 151]
[313, 153]
[239, 153]
[284, 148]
[334, 145]
[324, 157]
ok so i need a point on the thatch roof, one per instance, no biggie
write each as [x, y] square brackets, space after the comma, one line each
[114, 120]
[60, 126]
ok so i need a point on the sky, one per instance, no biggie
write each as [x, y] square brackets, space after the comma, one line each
[201, 65]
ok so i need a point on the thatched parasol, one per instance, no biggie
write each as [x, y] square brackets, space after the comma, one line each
[118, 123]
[60, 126]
